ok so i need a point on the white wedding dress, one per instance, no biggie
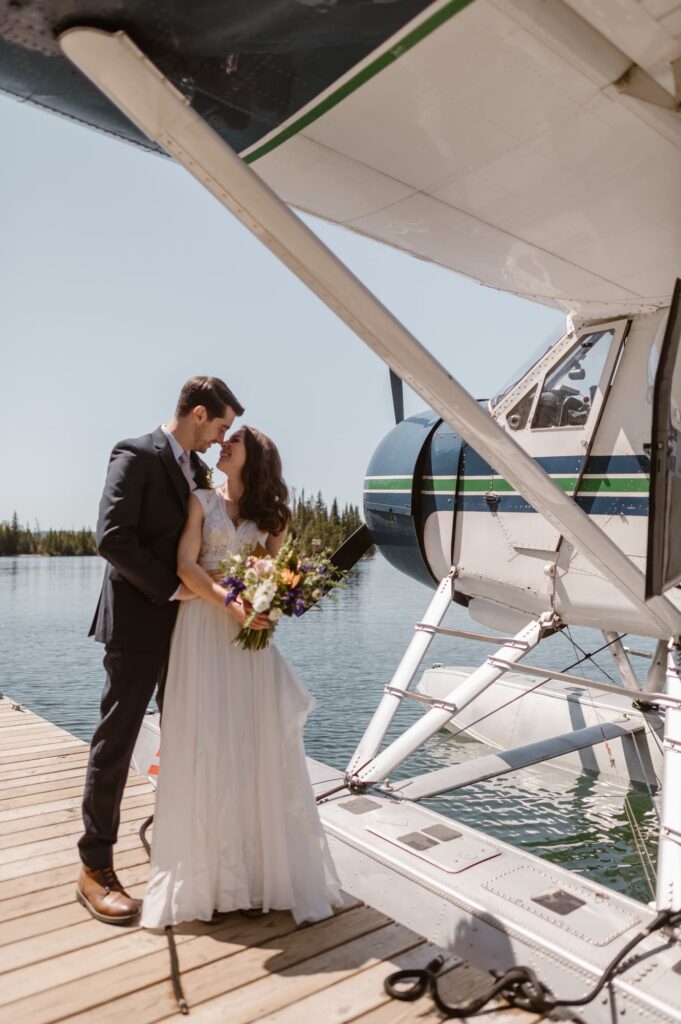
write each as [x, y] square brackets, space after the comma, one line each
[236, 825]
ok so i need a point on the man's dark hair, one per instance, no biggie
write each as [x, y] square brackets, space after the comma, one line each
[210, 392]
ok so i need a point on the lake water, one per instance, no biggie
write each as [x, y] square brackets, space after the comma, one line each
[345, 653]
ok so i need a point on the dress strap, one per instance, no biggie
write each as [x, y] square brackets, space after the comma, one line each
[205, 496]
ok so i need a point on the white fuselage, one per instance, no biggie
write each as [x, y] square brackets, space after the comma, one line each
[510, 556]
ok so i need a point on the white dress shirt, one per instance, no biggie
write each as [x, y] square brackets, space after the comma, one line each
[177, 448]
[178, 452]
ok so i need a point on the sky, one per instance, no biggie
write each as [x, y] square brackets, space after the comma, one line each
[120, 277]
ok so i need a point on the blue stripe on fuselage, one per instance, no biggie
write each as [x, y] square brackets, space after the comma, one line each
[625, 505]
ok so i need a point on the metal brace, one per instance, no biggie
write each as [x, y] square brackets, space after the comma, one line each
[465, 634]
[421, 698]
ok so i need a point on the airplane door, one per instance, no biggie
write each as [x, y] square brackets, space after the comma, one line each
[663, 564]
[552, 413]
[555, 413]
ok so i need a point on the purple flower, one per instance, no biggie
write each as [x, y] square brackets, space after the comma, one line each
[234, 586]
[298, 607]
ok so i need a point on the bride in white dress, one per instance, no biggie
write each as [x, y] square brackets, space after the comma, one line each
[236, 825]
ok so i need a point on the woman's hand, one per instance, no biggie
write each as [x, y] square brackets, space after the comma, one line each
[185, 594]
[241, 613]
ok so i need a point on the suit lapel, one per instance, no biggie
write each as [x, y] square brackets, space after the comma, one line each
[199, 469]
[168, 459]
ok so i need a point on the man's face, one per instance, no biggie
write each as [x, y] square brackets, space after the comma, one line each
[207, 431]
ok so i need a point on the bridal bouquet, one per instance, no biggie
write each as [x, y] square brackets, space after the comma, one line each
[285, 585]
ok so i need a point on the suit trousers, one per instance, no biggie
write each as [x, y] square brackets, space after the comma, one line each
[131, 678]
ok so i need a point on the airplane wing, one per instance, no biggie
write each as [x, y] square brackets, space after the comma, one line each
[533, 145]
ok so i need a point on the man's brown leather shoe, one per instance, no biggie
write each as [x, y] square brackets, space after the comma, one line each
[102, 894]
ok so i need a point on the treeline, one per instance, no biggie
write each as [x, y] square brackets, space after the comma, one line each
[16, 539]
[317, 526]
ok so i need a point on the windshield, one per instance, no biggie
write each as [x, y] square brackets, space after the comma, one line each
[529, 363]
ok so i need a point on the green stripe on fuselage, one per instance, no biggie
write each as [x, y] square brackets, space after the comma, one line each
[481, 485]
[397, 483]
[615, 485]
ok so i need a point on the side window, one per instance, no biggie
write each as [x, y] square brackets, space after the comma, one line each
[567, 393]
[518, 416]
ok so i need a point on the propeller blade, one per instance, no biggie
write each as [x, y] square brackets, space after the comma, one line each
[351, 550]
[397, 389]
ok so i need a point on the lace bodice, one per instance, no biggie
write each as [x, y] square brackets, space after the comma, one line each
[220, 536]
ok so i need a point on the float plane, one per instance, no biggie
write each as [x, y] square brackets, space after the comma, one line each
[534, 146]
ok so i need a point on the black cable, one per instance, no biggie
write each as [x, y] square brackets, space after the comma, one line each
[182, 1004]
[519, 986]
[330, 792]
[143, 835]
[175, 971]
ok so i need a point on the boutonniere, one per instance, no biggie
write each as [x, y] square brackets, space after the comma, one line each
[203, 474]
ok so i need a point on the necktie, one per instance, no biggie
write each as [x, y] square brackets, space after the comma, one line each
[184, 466]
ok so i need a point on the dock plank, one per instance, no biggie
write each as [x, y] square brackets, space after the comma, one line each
[61, 830]
[70, 812]
[23, 770]
[59, 842]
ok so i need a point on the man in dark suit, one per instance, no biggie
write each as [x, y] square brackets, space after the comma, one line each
[141, 517]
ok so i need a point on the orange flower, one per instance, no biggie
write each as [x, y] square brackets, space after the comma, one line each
[292, 579]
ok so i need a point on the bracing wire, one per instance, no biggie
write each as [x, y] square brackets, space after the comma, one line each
[590, 656]
[647, 865]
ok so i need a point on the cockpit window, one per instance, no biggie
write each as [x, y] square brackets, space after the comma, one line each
[567, 393]
[538, 354]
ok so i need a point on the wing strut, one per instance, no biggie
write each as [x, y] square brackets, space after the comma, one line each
[137, 87]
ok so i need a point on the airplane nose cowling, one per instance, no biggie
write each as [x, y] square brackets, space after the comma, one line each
[410, 496]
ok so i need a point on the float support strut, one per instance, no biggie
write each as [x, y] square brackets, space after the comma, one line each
[668, 895]
[460, 697]
[405, 672]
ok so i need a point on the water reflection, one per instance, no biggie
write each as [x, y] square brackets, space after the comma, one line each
[345, 652]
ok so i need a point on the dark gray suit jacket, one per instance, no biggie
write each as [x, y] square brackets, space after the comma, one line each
[141, 516]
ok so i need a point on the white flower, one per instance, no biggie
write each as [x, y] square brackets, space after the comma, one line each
[263, 596]
[250, 577]
[237, 558]
[275, 614]
[316, 594]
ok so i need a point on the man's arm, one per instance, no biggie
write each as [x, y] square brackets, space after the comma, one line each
[117, 527]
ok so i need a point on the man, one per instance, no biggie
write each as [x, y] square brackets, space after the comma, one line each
[141, 516]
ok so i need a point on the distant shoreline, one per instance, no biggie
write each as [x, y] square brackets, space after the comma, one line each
[45, 554]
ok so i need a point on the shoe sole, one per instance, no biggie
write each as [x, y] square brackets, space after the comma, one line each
[120, 919]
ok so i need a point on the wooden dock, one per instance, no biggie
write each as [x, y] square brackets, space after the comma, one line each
[59, 964]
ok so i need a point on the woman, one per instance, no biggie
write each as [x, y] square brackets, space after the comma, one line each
[236, 825]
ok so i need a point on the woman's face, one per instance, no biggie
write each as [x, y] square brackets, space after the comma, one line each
[233, 453]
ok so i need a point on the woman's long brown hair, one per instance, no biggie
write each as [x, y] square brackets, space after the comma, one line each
[265, 496]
